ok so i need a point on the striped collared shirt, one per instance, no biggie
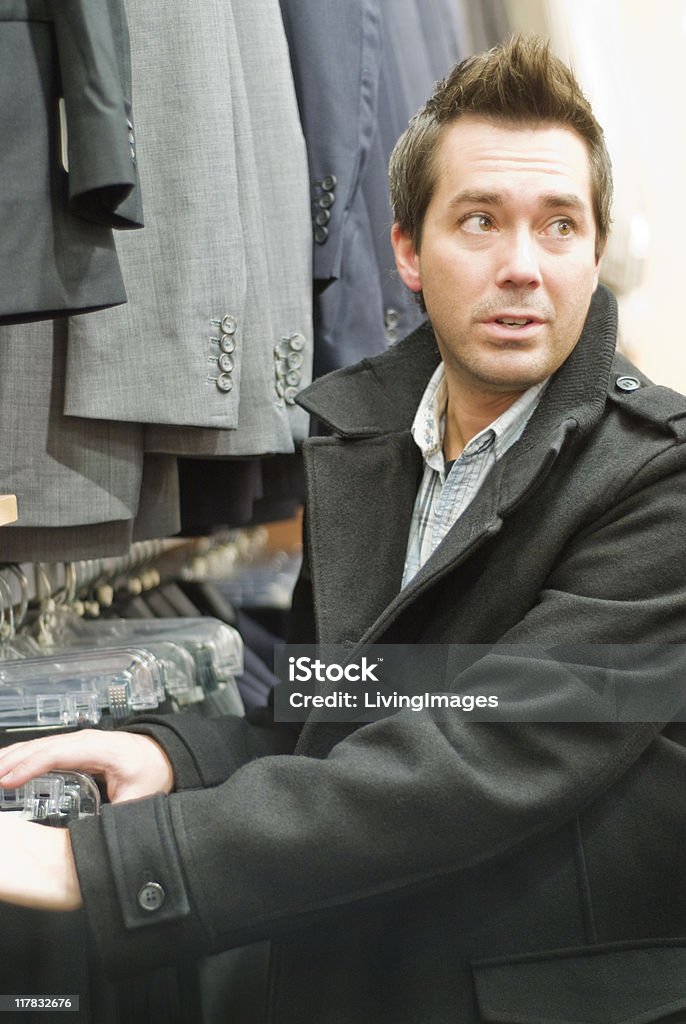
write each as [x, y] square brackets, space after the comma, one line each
[443, 496]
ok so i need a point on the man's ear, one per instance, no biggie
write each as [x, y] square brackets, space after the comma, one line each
[406, 259]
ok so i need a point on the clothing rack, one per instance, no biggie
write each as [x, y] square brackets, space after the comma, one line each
[32, 590]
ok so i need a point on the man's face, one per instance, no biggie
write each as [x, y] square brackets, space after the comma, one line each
[507, 264]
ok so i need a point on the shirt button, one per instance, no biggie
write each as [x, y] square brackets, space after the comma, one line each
[151, 896]
[229, 324]
[628, 383]
[224, 382]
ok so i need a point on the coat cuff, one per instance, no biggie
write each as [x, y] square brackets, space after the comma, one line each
[205, 752]
[132, 881]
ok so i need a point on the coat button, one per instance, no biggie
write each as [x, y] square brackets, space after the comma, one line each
[229, 324]
[296, 342]
[326, 200]
[320, 235]
[224, 382]
[323, 217]
[289, 395]
[225, 362]
[227, 343]
[628, 383]
[295, 360]
[329, 183]
[293, 378]
[151, 896]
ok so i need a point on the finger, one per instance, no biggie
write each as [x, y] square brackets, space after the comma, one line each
[80, 751]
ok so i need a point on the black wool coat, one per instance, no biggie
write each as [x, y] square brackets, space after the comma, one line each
[424, 868]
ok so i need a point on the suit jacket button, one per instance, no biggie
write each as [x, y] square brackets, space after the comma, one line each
[293, 378]
[229, 324]
[225, 362]
[289, 395]
[227, 343]
[329, 182]
[151, 896]
[323, 217]
[628, 383]
[321, 235]
[296, 342]
[326, 200]
[224, 382]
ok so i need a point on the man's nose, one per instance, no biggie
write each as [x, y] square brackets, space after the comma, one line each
[519, 265]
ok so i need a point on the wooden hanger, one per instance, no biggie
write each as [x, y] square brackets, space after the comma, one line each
[8, 509]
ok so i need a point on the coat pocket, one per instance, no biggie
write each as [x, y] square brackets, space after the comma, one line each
[617, 983]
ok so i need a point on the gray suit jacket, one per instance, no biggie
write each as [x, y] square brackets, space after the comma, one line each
[57, 251]
[80, 484]
[222, 272]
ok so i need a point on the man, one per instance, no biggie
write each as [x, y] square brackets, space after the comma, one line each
[422, 867]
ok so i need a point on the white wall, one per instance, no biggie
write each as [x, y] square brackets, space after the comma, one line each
[630, 56]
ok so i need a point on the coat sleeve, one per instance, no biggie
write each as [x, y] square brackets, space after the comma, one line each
[287, 840]
[95, 68]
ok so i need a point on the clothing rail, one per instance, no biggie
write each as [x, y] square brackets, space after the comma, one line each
[85, 587]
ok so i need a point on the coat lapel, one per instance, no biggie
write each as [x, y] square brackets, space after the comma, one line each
[364, 492]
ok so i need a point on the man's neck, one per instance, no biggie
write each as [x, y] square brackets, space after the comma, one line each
[468, 412]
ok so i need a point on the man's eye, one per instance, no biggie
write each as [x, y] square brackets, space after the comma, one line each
[477, 223]
[561, 228]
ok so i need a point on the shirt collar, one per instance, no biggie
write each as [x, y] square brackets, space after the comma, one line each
[428, 426]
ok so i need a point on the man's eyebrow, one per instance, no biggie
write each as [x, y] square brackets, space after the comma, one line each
[551, 200]
[566, 199]
[469, 195]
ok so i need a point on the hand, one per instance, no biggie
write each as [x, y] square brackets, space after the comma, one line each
[132, 765]
[37, 866]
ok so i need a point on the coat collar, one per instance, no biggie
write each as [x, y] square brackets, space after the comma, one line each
[362, 481]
